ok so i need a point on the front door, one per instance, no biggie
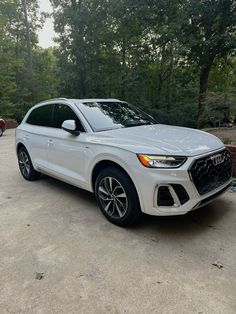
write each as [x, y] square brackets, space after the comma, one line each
[66, 151]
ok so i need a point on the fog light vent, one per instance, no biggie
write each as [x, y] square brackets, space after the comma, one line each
[181, 193]
[171, 195]
[164, 197]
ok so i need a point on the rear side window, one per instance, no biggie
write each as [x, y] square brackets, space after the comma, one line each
[63, 112]
[41, 116]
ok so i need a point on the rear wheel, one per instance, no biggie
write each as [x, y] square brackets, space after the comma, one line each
[117, 197]
[1, 131]
[26, 168]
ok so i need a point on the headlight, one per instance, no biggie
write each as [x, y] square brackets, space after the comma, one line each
[154, 161]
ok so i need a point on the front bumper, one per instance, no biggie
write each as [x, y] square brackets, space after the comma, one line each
[149, 182]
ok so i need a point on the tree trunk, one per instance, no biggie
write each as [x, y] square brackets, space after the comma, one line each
[17, 56]
[78, 33]
[28, 37]
[83, 84]
[204, 76]
[123, 76]
[170, 78]
[160, 76]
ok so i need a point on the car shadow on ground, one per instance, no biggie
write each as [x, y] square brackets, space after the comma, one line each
[69, 189]
[191, 224]
[195, 221]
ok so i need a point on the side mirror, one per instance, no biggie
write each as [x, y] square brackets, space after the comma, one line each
[70, 126]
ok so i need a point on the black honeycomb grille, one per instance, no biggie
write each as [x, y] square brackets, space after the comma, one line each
[208, 175]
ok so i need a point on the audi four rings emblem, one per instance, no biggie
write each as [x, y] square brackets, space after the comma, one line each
[217, 159]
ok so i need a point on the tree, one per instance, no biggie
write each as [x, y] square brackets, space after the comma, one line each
[79, 25]
[208, 32]
[27, 74]
[28, 36]
[150, 53]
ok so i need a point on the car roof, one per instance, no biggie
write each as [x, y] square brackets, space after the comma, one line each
[80, 101]
[95, 100]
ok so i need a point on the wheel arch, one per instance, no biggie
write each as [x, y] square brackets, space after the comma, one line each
[20, 145]
[102, 164]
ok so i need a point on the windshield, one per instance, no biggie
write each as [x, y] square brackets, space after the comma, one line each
[104, 116]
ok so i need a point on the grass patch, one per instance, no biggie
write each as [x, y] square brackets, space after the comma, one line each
[226, 140]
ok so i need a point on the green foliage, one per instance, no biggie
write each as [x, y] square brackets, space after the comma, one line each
[208, 33]
[154, 54]
[226, 141]
[20, 85]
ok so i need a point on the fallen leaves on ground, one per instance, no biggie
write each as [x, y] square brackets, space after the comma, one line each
[218, 264]
[39, 276]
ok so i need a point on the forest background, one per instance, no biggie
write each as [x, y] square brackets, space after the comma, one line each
[175, 59]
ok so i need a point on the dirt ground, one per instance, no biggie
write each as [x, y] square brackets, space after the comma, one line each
[59, 255]
[225, 134]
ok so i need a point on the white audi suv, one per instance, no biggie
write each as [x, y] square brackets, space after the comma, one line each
[133, 164]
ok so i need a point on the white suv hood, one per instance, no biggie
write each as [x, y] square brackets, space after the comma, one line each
[160, 139]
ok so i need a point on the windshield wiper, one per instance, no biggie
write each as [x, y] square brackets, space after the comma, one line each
[108, 129]
[135, 123]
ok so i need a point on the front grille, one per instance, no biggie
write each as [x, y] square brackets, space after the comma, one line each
[212, 171]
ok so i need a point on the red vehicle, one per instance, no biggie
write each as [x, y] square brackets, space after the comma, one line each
[2, 126]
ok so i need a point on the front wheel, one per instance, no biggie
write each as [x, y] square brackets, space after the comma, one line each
[117, 197]
[26, 167]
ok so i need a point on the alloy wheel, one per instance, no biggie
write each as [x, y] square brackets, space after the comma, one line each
[24, 163]
[113, 197]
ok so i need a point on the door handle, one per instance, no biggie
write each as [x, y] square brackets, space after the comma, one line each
[50, 142]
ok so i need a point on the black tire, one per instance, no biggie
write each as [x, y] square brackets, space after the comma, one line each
[1, 132]
[114, 186]
[25, 164]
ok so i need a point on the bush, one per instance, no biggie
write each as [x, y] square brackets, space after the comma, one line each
[15, 111]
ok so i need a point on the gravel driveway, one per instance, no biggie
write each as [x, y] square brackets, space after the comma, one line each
[59, 255]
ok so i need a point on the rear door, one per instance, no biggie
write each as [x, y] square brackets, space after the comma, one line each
[65, 150]
[36, 135]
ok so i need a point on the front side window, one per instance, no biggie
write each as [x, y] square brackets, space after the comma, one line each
[63, 112]
[104, 116]
[41, 116]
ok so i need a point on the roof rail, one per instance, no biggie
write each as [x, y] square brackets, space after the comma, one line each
[61, 98]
